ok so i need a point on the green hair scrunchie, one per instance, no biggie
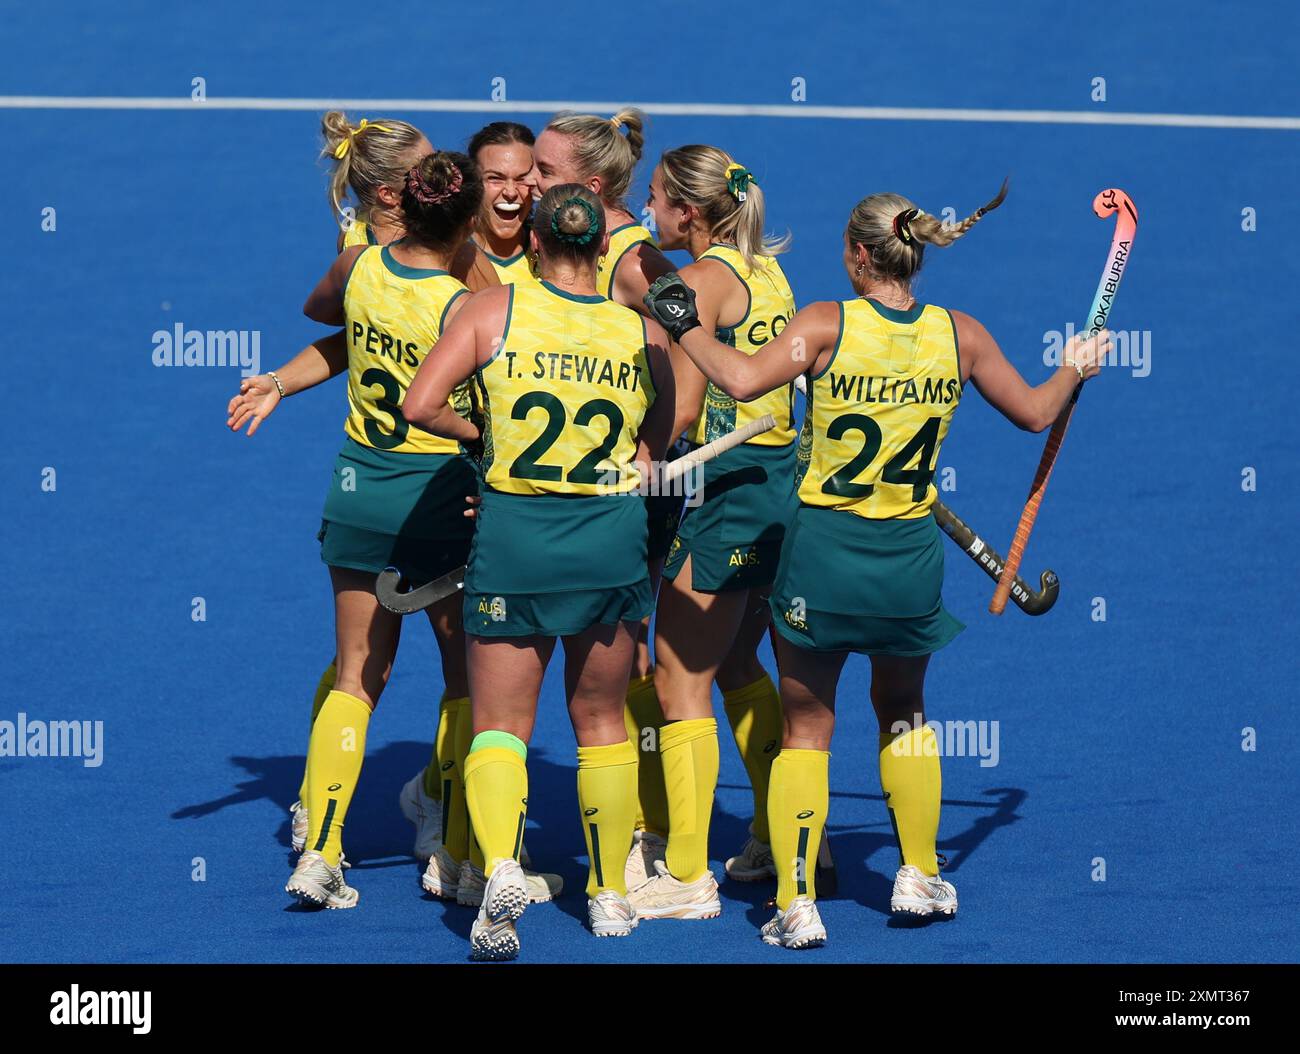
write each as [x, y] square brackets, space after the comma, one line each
[738, 180]
[593, 222]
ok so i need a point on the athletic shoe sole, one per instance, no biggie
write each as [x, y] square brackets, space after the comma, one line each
[760, 875]
[312, 895]
[916, 907]
[683, 911]
[493, 941]
[445, 890]
[809, 939]
[610, 929]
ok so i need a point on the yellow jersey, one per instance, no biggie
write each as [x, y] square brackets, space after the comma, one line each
[393, 316]
[771, 306]
[621, 240]
[878, 413]
[564, 395]
[359, 233]
[517, 268]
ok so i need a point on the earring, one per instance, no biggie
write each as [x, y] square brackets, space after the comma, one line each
[858, 272]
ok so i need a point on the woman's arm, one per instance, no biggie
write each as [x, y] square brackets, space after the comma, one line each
[451, 361]
[657, 429]
[637, 271]
[325, 304]
[259, 396]
[803, 345]
[471, 266]
[1033, 409]
[711, 283]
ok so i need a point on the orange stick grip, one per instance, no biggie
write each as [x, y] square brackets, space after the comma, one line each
[1030, 512]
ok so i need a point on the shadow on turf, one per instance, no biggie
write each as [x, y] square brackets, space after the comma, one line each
[853, 846]
[377, 835]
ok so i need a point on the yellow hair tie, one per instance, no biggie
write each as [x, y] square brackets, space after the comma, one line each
[738, 180]
[341, 151]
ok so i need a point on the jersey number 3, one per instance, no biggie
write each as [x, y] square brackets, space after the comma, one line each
[392, 396]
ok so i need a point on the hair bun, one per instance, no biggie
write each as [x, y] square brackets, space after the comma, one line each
[575, 221]
[435, 180]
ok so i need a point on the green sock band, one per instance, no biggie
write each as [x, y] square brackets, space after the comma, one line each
[503, 740]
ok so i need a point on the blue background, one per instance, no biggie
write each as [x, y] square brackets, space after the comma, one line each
[1118, 739]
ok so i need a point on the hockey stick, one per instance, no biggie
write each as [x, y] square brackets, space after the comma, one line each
[386, 585]
[419, 598]
[674, 470]
[1110, 202]
[1031, 602]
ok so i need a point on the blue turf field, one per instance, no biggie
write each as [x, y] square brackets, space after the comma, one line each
[1119, 739]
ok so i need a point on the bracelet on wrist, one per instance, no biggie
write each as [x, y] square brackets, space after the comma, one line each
[1077, 368]
[280, 387]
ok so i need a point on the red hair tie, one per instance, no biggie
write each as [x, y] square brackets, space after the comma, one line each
[425, 195]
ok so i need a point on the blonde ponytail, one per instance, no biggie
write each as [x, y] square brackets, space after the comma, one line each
[895, 232]
[729, 199]
[367, 156]
[600, 148]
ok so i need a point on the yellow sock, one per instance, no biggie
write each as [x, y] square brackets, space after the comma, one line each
[913, 786]
[690, 757]
[496, 786]
[796, 810]
[323, 688]
[455, 813]
[754, 713]
[641, 711]
[444, 749]
[334, 756]
[607, 779]
[467, 845]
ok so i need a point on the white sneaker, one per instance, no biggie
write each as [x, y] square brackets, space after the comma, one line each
[442, 875]
[798, 926]
[493, 935]
[916, 893]
[298, 826]
[298, 839]
[611, 915]
[317, 884]
[754, 864]
[647, 848]
[425, 813]
[665, 897]
[471, 883]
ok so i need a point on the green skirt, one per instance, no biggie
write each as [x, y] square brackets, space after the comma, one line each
[847, 583]
[555, 565]
[387, 509]
[664, 512]
[734, 534]
[419, 559]
[413, 495]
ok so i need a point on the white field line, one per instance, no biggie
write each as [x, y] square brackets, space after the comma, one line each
[787, 110]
